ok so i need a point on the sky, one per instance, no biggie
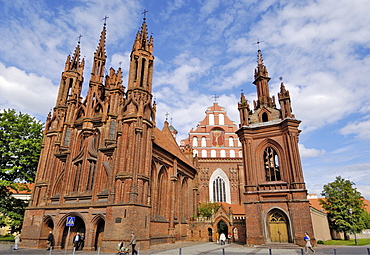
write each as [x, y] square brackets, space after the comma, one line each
[202, 48]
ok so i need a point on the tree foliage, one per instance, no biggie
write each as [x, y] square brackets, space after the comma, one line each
[345, 206]
[206, 210]
[20, 145]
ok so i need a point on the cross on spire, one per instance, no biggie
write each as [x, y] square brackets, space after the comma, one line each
[258, 44]
[79, 38]
[105, 19]
[144, 13]
[215, 97]
[166, 114]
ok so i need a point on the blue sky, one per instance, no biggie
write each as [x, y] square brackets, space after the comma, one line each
[205, 47]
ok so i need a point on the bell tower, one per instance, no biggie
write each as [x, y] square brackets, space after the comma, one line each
[275, 195]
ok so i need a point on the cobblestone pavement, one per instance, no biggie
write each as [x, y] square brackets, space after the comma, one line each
[193, 248]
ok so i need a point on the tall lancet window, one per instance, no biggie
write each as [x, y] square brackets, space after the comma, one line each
[272, 168]
[219, 190]
[219, 187]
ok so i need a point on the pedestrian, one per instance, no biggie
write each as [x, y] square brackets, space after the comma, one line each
[133, 243]
[229, 236]
[308, 243]
[50, 241]
[82, 241]
[76, 240]
[217, 237]
[17, 240]
[222, 238]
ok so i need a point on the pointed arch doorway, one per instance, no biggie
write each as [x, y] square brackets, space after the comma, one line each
[278, 226]
[79, 226]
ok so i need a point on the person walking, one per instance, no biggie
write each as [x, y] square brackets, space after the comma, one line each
[133, 243]
[308, 243]
[50, 241]
[82, 242]
[17, 240]
[77, 240]
[222, 238]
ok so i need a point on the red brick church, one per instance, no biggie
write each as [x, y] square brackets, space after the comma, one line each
[105, 163]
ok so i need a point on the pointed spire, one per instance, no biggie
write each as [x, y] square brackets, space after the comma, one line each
[99, 57]
[261, 69]
[244, 110]
[141, 40]
[74, 63]
[285, 103]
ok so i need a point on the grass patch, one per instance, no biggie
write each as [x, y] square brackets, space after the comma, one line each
[7, 238]
[348, 242]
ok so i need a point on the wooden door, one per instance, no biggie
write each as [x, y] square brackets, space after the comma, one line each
[278, 228]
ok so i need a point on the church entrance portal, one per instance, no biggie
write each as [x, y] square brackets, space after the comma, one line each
[79, 226]
[278, 227]
[222, 227]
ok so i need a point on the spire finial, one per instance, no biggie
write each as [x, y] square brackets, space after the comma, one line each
[167, 114]
[79, 38]
[258, 44]
[215, 97]
[105, 20]
[144, 13]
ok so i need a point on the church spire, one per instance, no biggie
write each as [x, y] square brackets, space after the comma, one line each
[141, 62]
[261, 80]
[100, 57]
[72, 77]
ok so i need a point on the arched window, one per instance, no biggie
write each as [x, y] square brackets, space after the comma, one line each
[219, 187]
[240, 154]
[223, 154]
[271, 161]
[195, 153]
[265, 117]
[204, 142]
[231, 141]
[211, 119]
[213, 153]
[232, 154]
[221, 119]
[204, 153]
[195, 141]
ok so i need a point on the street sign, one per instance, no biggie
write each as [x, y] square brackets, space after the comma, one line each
[70, 221]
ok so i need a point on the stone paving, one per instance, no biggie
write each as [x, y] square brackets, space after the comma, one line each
[193, 248]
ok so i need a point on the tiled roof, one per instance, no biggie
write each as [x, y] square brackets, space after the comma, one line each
[164, 139]
[236, 208]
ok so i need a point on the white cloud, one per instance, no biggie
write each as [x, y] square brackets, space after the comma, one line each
[359, 128]
[26, 92]
[309, 153]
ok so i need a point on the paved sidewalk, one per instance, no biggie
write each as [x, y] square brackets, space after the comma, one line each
[193, 248]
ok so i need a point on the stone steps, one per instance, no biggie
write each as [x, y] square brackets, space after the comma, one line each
[279, 246]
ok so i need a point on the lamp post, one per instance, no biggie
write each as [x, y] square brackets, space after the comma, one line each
[354, 232]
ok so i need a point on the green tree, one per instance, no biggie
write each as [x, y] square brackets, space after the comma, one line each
[20, 145]
[206, 210]
[345, 206]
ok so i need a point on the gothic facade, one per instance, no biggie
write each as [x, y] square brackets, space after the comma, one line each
[105, 163]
